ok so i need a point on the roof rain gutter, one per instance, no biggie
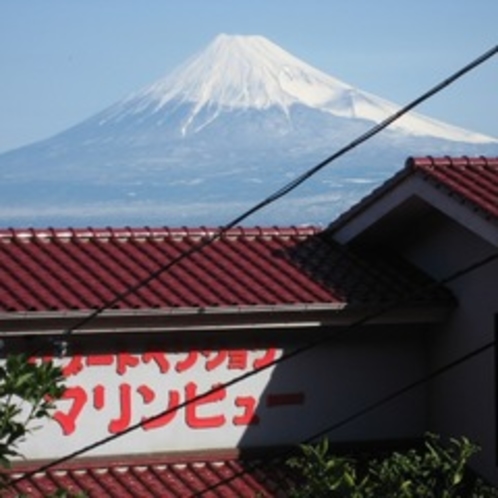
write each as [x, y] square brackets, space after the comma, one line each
[213, 318]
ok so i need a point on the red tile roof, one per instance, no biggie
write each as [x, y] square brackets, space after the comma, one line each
[472, 179]
[61, 270]
[207, 478]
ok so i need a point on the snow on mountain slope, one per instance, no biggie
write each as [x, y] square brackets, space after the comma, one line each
[230, 126]
[251, 72]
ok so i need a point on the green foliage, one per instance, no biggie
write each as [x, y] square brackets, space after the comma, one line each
[27, 394]
[323, 475]
[434, 471]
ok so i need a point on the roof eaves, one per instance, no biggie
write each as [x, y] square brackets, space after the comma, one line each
[420, 167]
[161, 319]
[303, 316]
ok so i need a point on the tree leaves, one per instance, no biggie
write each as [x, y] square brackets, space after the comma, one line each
[435, 471]
[28, 391]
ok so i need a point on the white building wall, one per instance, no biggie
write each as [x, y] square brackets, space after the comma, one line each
[317, 390]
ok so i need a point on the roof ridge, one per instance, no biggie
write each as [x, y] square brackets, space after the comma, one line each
[416, 162]
[147, 232]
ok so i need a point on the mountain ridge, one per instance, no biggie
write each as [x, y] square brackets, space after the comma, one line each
[183, 158]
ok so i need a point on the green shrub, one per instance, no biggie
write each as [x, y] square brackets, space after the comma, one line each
[433, 471]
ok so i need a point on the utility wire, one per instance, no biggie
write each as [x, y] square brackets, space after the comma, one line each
[286, 357]
[286, 189]
[277, 195]
[286, 452]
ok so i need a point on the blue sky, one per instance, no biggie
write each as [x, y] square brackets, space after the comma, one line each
[64, 60]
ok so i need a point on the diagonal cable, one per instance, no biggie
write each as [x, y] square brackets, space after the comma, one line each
[286, 189]
[287, 452]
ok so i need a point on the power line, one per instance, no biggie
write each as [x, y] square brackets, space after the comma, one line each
[364, 411]
[274, 197]
[286, 189]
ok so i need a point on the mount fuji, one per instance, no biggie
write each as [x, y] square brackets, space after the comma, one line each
[227, 128]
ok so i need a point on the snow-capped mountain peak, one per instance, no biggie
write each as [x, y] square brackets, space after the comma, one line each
[247, 71]
[237, 72]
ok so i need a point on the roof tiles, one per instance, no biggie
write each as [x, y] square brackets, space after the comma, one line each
[63, 270]
[209, 478]
[472, 179]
